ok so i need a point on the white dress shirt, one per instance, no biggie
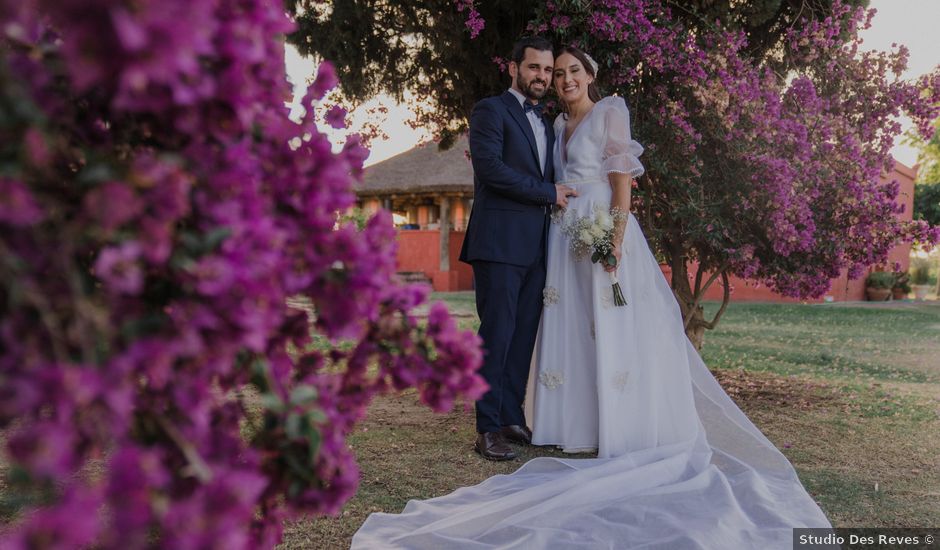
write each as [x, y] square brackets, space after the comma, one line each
[538, 128]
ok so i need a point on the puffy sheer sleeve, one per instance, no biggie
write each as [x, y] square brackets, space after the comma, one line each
[621, 152]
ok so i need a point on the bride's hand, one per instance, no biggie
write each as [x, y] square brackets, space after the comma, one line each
[617, 254]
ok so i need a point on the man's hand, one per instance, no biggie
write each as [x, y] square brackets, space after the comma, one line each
[562, 192]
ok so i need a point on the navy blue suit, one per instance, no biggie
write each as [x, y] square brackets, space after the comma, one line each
[505, 244]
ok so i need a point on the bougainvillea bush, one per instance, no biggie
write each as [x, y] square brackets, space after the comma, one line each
[764, 160]
[157, 208]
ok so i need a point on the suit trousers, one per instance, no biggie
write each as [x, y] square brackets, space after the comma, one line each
[509, 303]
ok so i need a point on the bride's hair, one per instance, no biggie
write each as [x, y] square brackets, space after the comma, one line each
[593, 92]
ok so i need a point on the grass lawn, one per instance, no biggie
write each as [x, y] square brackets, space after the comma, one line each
[849, 392]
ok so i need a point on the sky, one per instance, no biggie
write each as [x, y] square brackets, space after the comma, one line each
[912, 23]
[301, 71]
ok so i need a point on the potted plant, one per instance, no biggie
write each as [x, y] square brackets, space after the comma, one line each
[920, 276]
[878, 285]
[902, 285]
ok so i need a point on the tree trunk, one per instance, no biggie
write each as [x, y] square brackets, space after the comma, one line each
[689, 297]
[695, 328]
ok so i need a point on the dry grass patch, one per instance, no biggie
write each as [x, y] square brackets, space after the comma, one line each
[867, 453]
[405, 452]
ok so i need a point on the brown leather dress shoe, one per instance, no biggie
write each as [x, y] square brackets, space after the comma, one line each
[492, 446]
[517, 434]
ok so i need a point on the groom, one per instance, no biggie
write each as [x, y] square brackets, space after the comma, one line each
[511, 150]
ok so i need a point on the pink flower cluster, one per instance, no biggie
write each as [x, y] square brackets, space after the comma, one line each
[475, 23]
[157, 209]
[768, 166]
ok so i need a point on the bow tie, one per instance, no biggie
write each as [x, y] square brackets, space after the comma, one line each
[537, 107]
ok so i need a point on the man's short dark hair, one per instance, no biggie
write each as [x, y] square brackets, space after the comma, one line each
[534, 42]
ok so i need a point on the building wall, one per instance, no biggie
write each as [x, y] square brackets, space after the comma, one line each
[419, 251]
[464, 271]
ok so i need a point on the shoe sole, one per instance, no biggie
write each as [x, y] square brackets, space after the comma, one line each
[493, 458]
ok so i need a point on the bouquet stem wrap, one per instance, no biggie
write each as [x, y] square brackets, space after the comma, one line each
[619, 300]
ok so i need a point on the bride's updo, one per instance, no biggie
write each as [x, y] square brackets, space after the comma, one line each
[589, 65]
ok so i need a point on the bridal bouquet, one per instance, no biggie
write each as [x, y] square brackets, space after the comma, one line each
[595, 234]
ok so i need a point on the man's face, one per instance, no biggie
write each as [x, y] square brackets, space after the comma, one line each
[533, 75]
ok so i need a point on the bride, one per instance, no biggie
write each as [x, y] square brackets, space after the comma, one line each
[678, 464]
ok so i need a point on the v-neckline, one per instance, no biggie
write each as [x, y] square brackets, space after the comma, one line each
[567, 139]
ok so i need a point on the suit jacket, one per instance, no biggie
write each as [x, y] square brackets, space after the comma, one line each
[511, 194]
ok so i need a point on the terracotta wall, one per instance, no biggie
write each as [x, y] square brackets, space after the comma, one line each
[419, 251]
[464, 271]
[905, 177]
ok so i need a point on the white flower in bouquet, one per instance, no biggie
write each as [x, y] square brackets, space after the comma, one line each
[594, 235]
[585, 236]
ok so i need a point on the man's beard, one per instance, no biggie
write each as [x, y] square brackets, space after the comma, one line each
[526, 88]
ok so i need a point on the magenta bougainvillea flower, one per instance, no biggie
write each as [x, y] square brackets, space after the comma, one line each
[157, 209]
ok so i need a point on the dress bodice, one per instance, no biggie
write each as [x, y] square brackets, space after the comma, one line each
[600, 144]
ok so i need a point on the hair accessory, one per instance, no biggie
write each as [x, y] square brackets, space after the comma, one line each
[592, 62]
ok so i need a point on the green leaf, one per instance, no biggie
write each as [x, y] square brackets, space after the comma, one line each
[272, 402]
[259, 367]
[595, 257]
[259, 374]
[95, 173]
[293, 426]
[611, 260]
[199, 244]
[295, 488]
[313, 436]
[214, 238]
[302, 395]
[316, 416]
[303, 471]
[190, 241]
[139, 326]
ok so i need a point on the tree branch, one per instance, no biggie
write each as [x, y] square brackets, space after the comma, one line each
[197, 466]
[698, 279]
[699, 293]
[726, 298]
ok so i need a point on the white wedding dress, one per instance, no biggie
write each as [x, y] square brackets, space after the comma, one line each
[679, 465]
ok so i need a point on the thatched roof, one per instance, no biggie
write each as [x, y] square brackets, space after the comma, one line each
[424, 169]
